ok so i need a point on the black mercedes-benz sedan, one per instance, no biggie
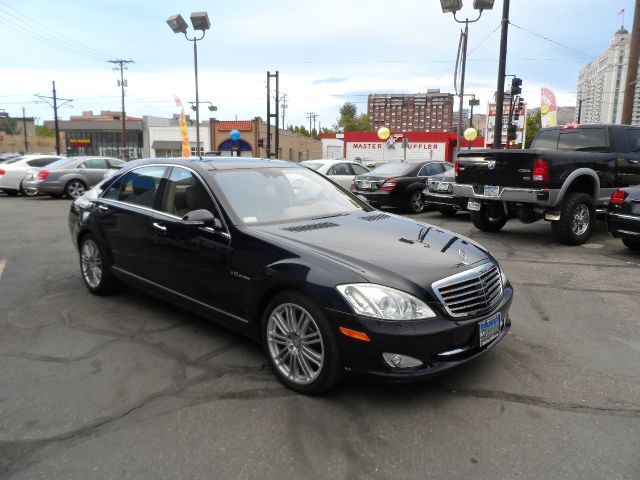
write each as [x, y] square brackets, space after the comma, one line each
[623, 216]
[276, 251]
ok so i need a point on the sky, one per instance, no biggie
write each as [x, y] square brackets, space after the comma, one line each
[326, 53]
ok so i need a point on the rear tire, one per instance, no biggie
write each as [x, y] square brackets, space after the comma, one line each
[633, 245]
[577, 219]
[490, 218]
[301, 344]
[415, 203]
[95, 267]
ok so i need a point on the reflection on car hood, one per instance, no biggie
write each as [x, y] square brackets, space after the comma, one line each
[384, 248]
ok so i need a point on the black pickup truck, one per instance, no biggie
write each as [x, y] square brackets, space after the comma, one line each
[568, 174]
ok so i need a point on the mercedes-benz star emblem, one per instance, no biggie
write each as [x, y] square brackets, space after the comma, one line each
[463, 257]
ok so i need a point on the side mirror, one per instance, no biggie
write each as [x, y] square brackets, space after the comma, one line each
[200, 217]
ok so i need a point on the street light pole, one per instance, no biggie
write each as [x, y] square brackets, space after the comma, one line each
[199, 21]
[497, 132]
[462, 72]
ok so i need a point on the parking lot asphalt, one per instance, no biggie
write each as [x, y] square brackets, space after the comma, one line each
[127, 387]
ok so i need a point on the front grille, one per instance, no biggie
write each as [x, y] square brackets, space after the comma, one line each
[473, 292]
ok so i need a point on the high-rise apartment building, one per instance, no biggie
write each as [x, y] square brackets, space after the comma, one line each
[419, 112]
[601, 85]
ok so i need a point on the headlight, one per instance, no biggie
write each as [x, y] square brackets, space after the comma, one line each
[383, 302]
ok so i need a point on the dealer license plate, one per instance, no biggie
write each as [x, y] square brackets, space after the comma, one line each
[443, 187]
[475, 206]
[489, 329]
[491, 190]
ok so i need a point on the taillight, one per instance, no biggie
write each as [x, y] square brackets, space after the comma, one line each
[389, 184]
[1, 171]
[540, 170]
[42, 174]
[617, 197]
[353, 185]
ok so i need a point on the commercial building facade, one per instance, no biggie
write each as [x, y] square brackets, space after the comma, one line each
[601, 85]
[161, 136]
[419, 112]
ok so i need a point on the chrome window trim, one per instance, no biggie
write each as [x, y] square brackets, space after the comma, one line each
[172, 165]
[186, 297]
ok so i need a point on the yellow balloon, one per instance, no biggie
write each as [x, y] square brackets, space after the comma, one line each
[544, 109]
[383, 133]
[470, 134]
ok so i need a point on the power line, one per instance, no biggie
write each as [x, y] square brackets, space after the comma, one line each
[552, 41]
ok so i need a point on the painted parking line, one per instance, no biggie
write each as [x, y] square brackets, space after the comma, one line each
[3, 264]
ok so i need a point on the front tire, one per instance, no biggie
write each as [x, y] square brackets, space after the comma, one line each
[94, 267]
[74, 189]
[577, 219]
[631, 244]
[490, 218]
[300, 344]
[415, 203]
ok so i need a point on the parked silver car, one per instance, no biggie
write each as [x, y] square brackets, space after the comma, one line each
[69, 176]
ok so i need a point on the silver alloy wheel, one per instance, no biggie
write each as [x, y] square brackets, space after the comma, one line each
[295, 343]
[91, 263]
[580, 220]
[416, 202]
[75, 189]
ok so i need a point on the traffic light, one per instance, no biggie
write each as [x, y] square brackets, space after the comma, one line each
[511, 132]
[518, 108]
[516, 86]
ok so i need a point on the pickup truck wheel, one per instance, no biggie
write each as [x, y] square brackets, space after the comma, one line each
[490, 218]
[415, 203]
[577, 218]
[633, 245]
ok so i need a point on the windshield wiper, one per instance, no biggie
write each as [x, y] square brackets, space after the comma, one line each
[330, 216]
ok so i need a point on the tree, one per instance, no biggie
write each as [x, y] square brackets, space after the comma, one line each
[44, 131]
[350, 121]
[10, 126]
[534, 122]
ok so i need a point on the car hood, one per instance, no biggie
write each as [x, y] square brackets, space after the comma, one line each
[384, 248]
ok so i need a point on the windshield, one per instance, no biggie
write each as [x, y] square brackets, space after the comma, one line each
[274, 195]
[393, 169]
[312, 166]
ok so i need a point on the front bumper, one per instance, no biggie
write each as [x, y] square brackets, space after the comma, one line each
[540, 197]
[430, 341]
[622, 225]
[381, 198]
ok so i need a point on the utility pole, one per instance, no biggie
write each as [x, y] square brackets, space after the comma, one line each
[632, 68]
[497, 132]
[273, 115]
[55, 105]
[283, 105]
[312, 118]
[24, 128]
[122, 66]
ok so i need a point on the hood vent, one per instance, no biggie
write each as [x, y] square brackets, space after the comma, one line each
[311, 226]
[374, 217]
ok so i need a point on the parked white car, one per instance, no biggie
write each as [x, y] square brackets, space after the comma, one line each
[12, 171]
[340, 171]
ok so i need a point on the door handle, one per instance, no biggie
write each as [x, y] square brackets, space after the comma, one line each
[103, 208]
[159, 227]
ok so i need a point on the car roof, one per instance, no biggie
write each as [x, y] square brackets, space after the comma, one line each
[219, 163]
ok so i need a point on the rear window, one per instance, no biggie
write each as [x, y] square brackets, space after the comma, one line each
[583, 140]
[546, 140]
[312, 166]
[393, 168]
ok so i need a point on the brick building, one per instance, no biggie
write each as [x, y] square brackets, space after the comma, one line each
[420, 112]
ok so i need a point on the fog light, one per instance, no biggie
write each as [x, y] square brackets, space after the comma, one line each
[395, 360]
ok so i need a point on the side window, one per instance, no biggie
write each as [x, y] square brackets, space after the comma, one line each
[424, 171]
[634, 139]
[96, 163]
[358, 169]
[583, 139]
[137, 187]
[332, 171]
[186, 193]
[343, 169]
[82, 165]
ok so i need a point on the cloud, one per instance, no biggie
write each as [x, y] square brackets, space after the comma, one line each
[329, 80]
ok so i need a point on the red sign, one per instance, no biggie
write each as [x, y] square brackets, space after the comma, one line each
[80, 142]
